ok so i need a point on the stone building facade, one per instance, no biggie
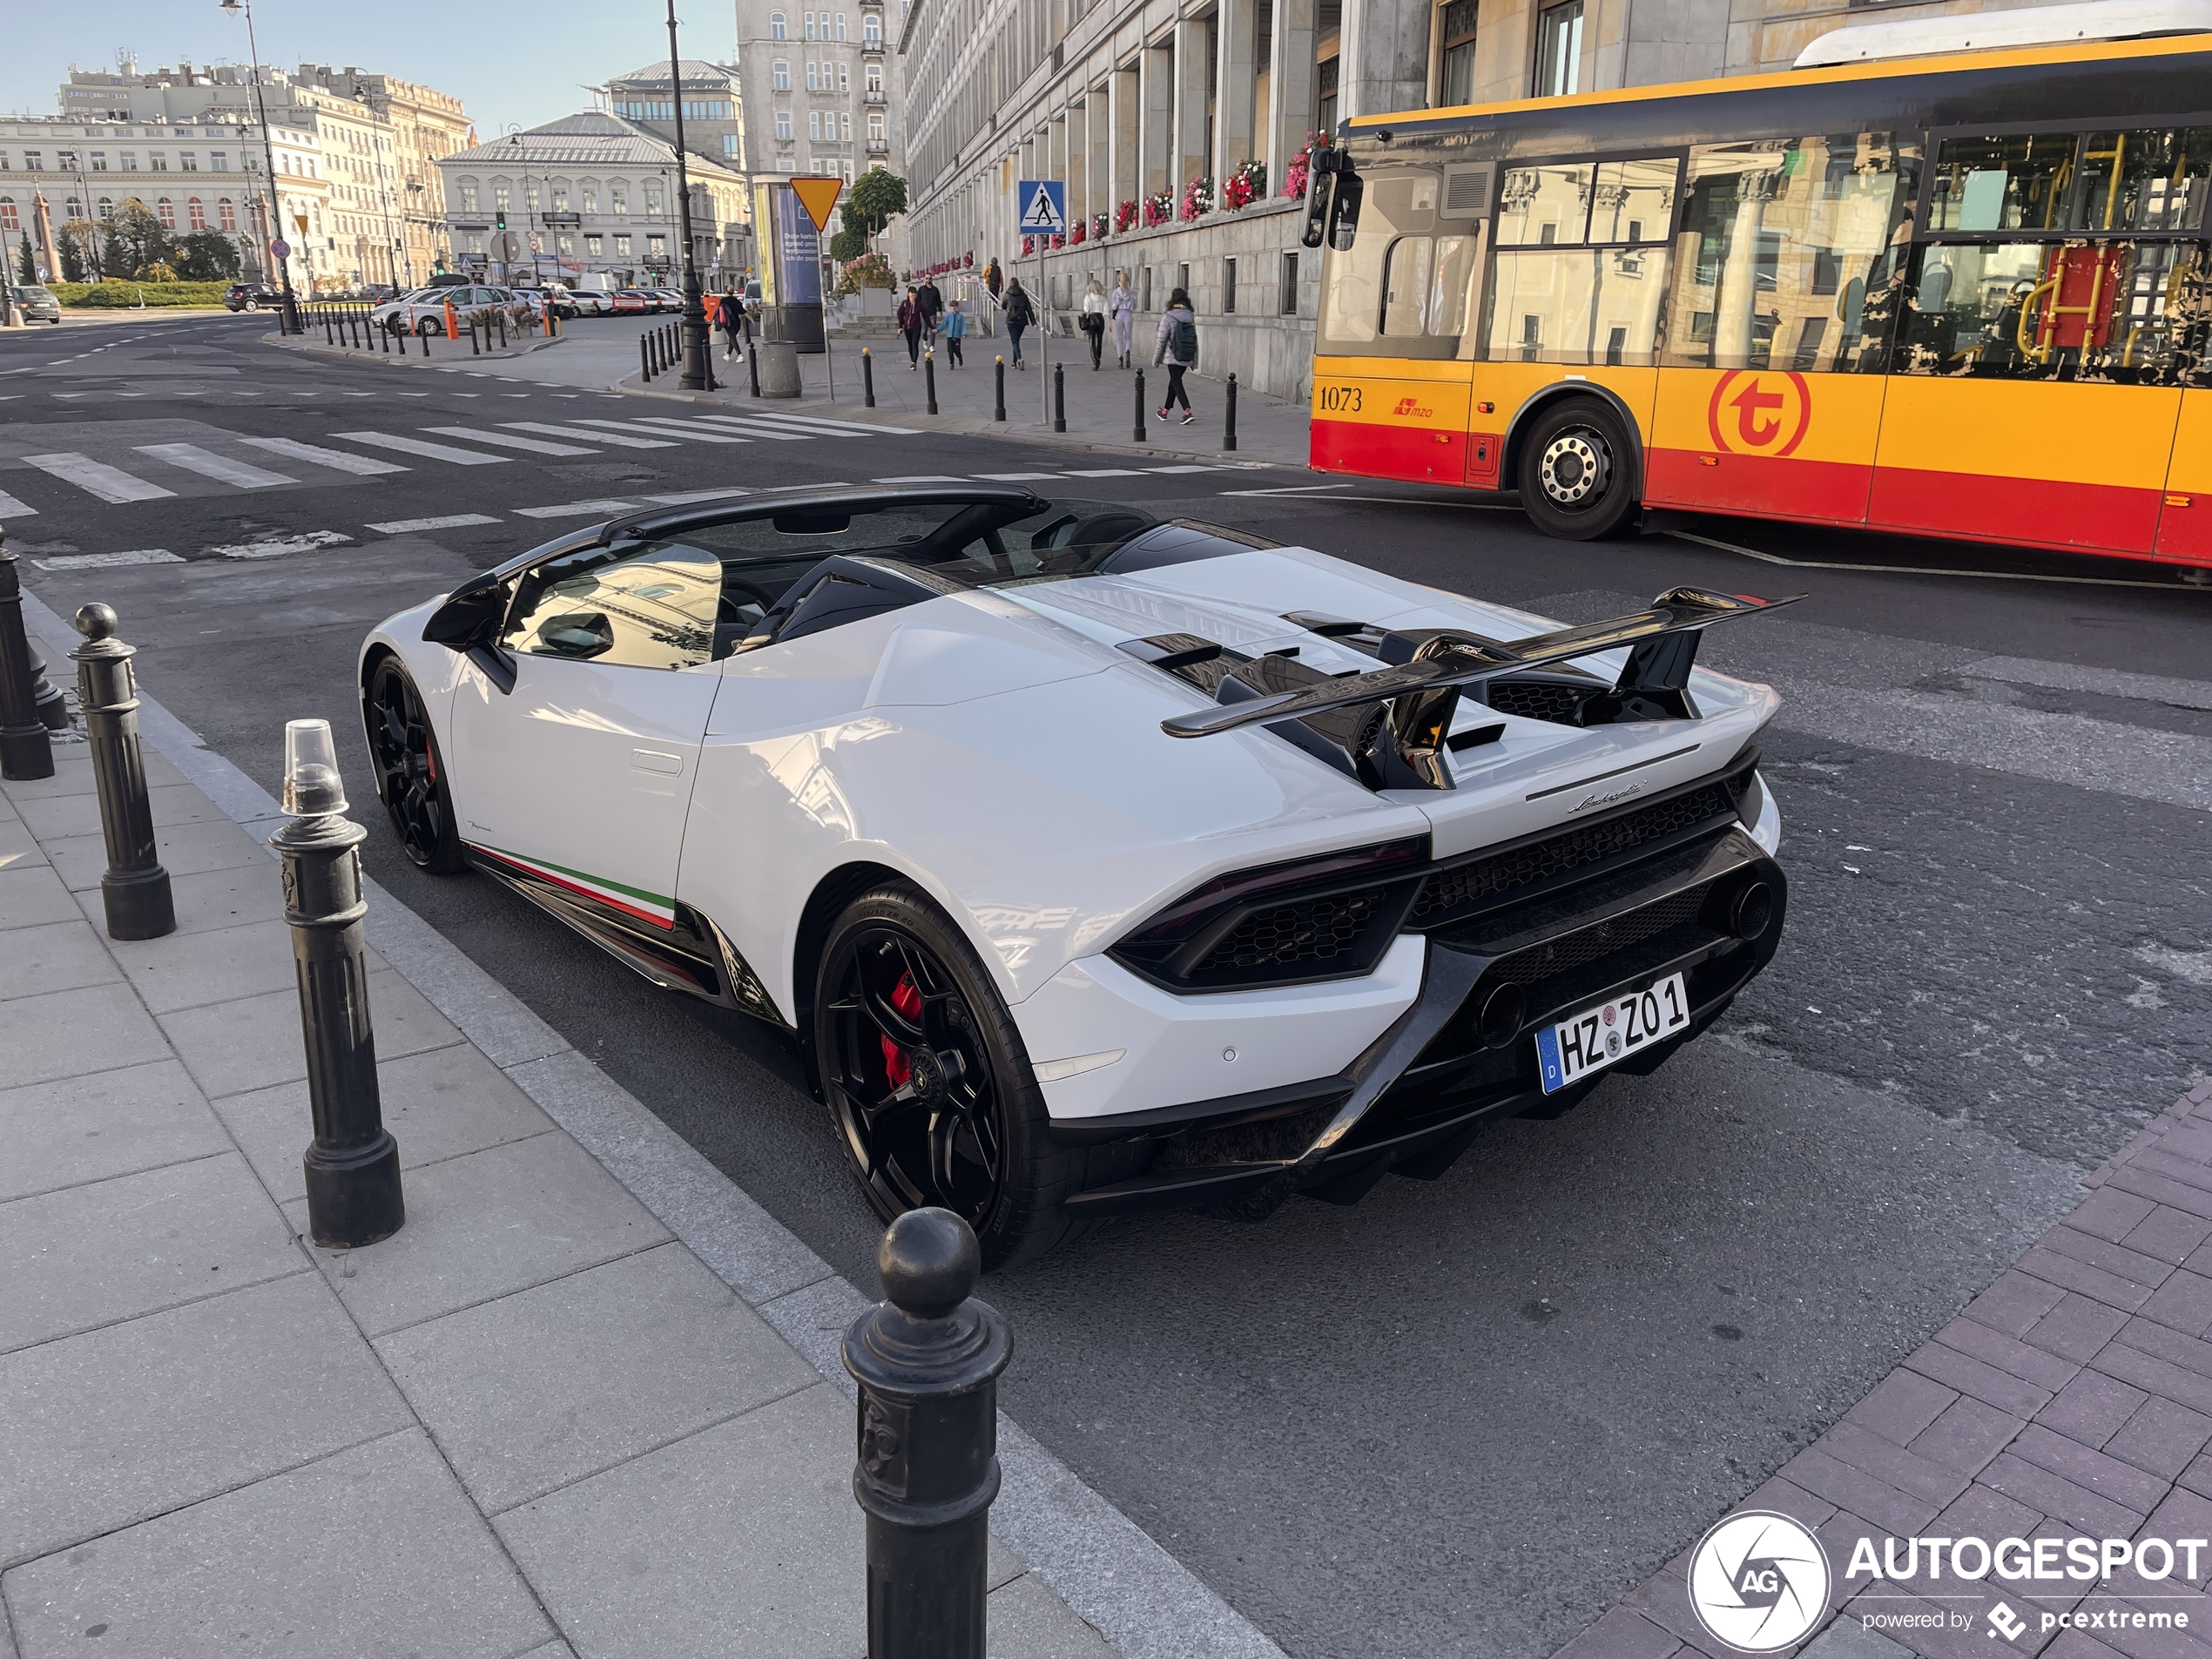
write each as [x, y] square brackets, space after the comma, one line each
[818, 88]
[1130, 101]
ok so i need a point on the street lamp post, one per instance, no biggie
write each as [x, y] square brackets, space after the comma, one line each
[694, 340]
[291, 325]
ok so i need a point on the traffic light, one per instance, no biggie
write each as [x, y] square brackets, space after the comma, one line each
[499, 219]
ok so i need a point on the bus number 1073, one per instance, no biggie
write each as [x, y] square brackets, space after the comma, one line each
[1345, 399]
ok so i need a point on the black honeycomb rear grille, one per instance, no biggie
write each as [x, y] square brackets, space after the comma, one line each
[1463, 887]
[1310, 930]
[1586, 945]
[1537, 700]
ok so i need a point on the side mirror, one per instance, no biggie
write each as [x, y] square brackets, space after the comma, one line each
[1322, 168]
[471, 616]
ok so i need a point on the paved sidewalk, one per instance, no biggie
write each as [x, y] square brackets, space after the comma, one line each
[533, 1422]
[2072, 1397]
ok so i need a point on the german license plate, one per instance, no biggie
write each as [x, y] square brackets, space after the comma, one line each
[1598, 1037]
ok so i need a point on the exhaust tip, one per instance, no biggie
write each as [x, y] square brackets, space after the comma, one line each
[1503, 1011]
[1752, 913]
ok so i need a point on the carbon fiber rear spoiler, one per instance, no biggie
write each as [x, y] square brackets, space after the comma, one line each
[1658, 664]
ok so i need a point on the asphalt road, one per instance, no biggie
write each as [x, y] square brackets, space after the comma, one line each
[1463, 1416]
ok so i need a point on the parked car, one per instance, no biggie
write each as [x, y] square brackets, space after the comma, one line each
[636, 302]
[1095, 863]
[672, 298]
[251, 296]
[36, 302]
[593, 302]
[423, 312]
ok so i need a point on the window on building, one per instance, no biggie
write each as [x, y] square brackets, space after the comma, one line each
[99, 161]
[188, 161]
[656, 245]
[810, 25]
[226, 214]
[622, 247]
[501, 196]
[165, 211]
[594, 246]
[813, 73]
[875, 77]
[218, 161]
[591, 198]
[872, 32]
[196, 214]
[844, 78]
[783, 125]
[652, 200]
[1228, 287]
[1286, 295]
[567, 243]
[840, 25]
[779, 76]
[730, 146]
[560, 199]
[775, 31]
[875, 129]
[813, 126]
[10, 219]
[30, 162]
[529, 196]
[1455, 34]
[130, 159]
[1325, 83]
[1559, 50]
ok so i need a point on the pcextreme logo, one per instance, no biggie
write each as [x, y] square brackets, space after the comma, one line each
[1412, 405]
[1759, 1582]
[1754, 412]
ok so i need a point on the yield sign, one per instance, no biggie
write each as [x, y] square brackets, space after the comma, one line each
[1044, 205]
[819, 197]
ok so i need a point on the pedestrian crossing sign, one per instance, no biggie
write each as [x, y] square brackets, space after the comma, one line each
[1044, 206]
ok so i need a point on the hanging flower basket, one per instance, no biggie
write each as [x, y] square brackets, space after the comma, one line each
[1029, 247]
[1125, 216]
[1159, 209]
[1197, 198]
[1076, 233]
[1244, 186]
[1098, 227]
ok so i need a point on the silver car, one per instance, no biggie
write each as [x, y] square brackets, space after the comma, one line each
[423, 312]
[37, 304]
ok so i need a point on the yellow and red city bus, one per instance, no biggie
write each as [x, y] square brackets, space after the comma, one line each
[1962, 295]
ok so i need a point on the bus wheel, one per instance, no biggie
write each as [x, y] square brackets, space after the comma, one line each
[1576, 471]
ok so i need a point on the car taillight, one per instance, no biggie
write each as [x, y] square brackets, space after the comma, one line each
[1329, 917]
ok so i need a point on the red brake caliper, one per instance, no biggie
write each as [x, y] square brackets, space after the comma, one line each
[907, 1000]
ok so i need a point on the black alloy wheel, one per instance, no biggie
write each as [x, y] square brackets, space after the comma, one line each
[1577, 471]
[911, 1080]
[411, 773]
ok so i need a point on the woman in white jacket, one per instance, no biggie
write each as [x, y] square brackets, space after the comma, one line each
[1121, 305]
[1177, 348]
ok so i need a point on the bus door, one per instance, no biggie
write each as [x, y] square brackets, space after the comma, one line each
[1578, 278]
[2185, 513]
[1390, 398]
[1785, 271]
[2036, 390]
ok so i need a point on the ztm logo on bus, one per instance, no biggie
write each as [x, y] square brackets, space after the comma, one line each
[1757, 413]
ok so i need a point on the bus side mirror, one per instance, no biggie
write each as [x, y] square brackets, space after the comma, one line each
[1320, 190]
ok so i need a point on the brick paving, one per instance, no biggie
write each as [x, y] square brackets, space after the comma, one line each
[2073, 1396]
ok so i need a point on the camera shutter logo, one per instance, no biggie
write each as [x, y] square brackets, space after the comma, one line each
[1759, 1582]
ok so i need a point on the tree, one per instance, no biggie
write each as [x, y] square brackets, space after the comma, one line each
[875, 196]
[26, 262]
[78, 242]
[207, 256]
[136, 240]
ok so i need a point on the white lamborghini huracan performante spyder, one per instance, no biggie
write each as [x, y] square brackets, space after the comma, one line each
[1096, 863]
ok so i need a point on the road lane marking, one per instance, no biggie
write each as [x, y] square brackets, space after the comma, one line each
[451, 521]
[577, 508]
[1106, 472]
[208, 464]
[925, 478]
[101, 561]
[416, 447]
[671, 428]
[322, 457]
[511, 441]
[615, 438]
[97, 477]
[12, 508]
[684, 495]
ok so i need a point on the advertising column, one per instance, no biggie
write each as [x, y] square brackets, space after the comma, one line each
[791, 267]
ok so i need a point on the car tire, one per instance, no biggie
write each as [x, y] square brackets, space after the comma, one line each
[1578, 470]
[429, 327]
[410, 772]
[892, 947]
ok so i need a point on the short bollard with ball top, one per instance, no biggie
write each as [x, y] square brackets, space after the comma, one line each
[26, 752]
[134, 893]
[927, 1360]
[353, 1167]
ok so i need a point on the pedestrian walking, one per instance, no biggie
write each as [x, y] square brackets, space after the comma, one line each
[910, 324]
[1177, 348]
[1019, 314]
[956, 331]
[993, 280]
[1093, 321]
[933, 310]
[1121, 305]
[726, 317]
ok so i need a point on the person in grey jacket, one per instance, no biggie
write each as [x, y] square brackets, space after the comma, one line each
[1178, 347]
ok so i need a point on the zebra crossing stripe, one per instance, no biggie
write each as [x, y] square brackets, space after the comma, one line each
[673, 430]
[617, 439]
[863, 428]
[208, 464]
[510, 440]
[11, 508]
[451, 522]
[762, 429]
[416, 447]
[578, 510]
[97, 477]
[314, 453]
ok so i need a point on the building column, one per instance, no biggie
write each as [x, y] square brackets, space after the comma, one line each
[1078, 164]
[1158, 151]
[1098, 132]
[1192, 82]
[1291, 83]
[1383, 64]
[1234, 87]
[1125, 105]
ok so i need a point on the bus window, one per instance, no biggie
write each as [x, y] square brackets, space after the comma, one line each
[1576, 305]
[2125, 313]
[1384, 267]
[1634, 200]
[1542, 206]
[2003, 184]
[1405, 268]
[1786, 254]
[2143, 181]
[1448, 293]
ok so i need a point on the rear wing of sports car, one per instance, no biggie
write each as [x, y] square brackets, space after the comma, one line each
[1400, 748]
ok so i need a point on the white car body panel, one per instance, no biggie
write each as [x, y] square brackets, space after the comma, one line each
[995, 748]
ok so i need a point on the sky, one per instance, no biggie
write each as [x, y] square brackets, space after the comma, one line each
[521, 64]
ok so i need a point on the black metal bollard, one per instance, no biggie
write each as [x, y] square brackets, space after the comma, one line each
[500, 318]
[998, 388]
[644, 359]
[25, 750]
[384, 338]
[1059, 397]
[1136, 431]
[752, 368]
[135, 890]
[929, 379]
[927, 1360]
[425, 338]
[328, 337]
[1229, 417]
[353, 1166]
[868, 379]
